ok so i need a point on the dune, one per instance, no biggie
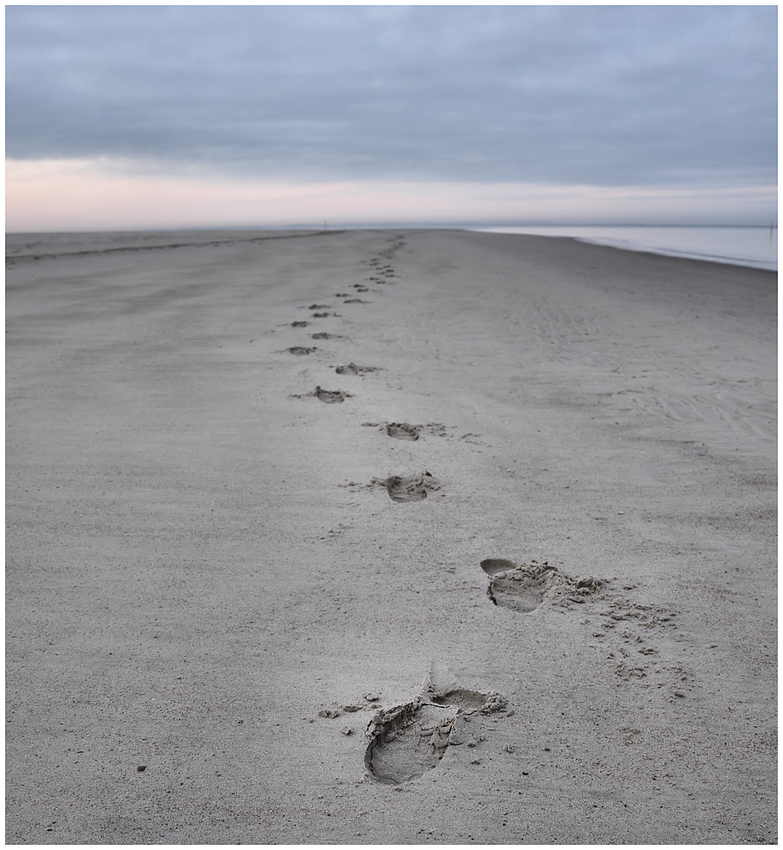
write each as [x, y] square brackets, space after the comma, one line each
[517, 586]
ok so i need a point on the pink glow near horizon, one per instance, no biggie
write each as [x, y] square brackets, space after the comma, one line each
[86, 195]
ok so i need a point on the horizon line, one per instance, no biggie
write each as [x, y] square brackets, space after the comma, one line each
[439, 225]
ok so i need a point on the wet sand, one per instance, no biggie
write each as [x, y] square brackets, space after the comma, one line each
[245, 593]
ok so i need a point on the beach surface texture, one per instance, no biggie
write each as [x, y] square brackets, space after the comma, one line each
[388, 537]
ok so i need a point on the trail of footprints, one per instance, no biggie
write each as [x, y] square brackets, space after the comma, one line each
[409, 739]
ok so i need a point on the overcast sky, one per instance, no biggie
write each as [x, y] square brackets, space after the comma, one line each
[611, 97]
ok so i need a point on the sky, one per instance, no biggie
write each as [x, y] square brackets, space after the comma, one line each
[141, 117]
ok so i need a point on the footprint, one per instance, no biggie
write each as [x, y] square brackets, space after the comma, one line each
[402, 431]
[353, 369]
[319, 307]
[355, 301]
[300, 349]
[320, 315]
[330, 396]
[325, 335]
[408, 740]
[461, 698]
[299, 324]
[524, 587]
[409, 488]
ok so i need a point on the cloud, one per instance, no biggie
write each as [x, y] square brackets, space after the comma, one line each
[598, 95]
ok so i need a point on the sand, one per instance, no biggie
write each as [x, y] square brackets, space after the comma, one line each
[509, 577]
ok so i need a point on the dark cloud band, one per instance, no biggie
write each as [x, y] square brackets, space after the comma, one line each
[602, 95]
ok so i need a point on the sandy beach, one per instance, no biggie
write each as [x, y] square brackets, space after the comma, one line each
[388, 537]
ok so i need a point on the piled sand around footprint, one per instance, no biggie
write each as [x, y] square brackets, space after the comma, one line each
[209, 577]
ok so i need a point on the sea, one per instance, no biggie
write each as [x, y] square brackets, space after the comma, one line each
[756, 247]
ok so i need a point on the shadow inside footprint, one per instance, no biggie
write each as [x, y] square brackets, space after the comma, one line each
[493, 566]
[300, 349]
[402, 431]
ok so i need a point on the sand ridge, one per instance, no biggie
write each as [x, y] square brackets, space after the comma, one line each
[215, 578]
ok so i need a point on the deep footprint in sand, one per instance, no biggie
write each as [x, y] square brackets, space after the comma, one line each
[408, 740]
[353, 369]
[402, 431]
[409, 488]
[330, 396]
[300, 349]
[525, 587]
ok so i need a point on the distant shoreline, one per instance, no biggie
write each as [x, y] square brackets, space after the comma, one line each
[746, 246]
